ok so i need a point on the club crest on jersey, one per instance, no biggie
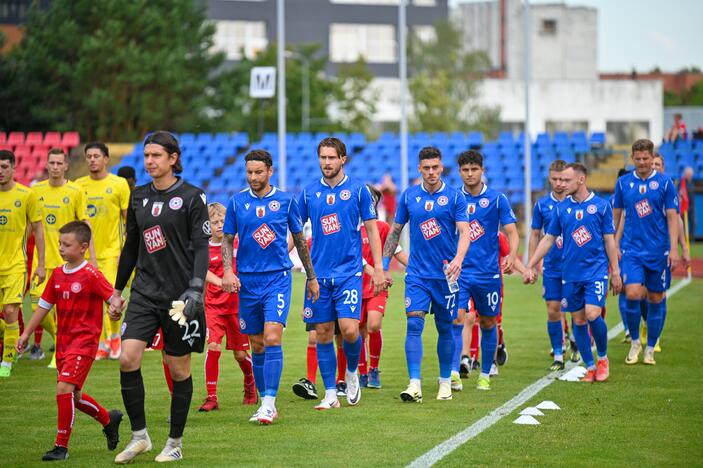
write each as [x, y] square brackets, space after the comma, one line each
[76, 287]
[560, 242]
[260, 211]
[108, 190]
[653, 185]
[471, 208]
[476, 231]
[429, 204]
[156, 208]
[581, 236]
[483, 203]
[591, 209]
[18, 203]
[643, 189]
[154, 239]
[643, 208]
[430, 229]
[564, 303]
[242, 324]
[330, 224]
[274, 205]
[441, 201]
[331, 198]
[264, 236]
[175, 203]
[307, 312]
[579, 214]
[407, 302]
[66, 200]
[345, 194]
[123, 328]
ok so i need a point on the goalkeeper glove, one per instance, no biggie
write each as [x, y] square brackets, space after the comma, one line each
[190, 304]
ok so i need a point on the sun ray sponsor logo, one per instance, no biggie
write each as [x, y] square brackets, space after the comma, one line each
[581, 236]
[154, 239]
[330, 224]
[643, 189]
[430, 228]
[264, 236]
[476, 231]
[643, 208]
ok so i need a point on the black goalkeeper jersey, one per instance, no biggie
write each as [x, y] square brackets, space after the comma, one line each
[169, 231]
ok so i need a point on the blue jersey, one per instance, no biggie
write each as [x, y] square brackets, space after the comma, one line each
[542, 215]
[486, 212]
[262, 225]
[583, 227]
[645, 202]
[433, 233]
[336, 214]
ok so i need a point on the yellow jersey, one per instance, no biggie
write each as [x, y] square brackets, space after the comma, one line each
[58, 206]
[106, 198]
[18, 207]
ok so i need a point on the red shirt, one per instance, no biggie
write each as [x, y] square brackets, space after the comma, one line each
[216, 300]
[367, 284]
[78, 296]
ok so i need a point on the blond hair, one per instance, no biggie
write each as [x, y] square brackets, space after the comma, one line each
[216, 208]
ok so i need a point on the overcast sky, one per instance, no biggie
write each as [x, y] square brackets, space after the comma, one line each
[642, 34]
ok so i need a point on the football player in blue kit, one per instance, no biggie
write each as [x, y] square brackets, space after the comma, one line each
[439, 239]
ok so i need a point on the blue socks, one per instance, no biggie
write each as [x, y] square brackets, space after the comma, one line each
[623, 310]
[489, 343]
[583, 341]
[600, 336]
[445, 347]
[273, 366]
[456, 359]
[327, 361]
[633, 318]
[655, 322]
[556, 338]
[257, 364]
[352, 351]
[413, 346]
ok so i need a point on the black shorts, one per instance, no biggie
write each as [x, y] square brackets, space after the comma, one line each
[144, 318]
[311, 326]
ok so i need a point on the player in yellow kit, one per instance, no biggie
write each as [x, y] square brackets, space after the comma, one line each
[107, 197]
[18, 208]
[59, 201]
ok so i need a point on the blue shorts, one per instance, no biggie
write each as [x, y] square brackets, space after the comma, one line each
[579, 293]
[551, 288]
[263, 297]
[339, 298]
[655, 276]
[487, 294]
[431, 296]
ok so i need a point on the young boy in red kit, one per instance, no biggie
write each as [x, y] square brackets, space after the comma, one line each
[77, 291]
[222, 317]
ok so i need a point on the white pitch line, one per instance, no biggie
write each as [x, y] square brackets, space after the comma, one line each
[448, 446]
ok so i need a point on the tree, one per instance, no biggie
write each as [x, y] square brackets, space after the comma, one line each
[112, 69]
[445, 83]
[354, 99]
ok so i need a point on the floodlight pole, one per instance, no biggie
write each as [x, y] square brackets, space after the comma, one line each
[527, 139]
[403, 71]
[281, 75]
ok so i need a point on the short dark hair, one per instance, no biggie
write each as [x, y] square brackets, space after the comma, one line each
[622, 172]
[58, 151]
[79, 228]
[98, 145]
[259, 155]
[375, 194]
[430, 152]
[169, 143]
[643, 145]
[470, 157]
[127, 172]
[332, 142]
[557, 165]
[577, 167]
[7, 155]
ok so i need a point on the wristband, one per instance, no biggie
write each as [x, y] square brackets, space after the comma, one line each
[386, 262]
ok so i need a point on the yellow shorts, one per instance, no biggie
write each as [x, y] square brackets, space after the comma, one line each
[36, 290]
[12, 288]
[108, 267]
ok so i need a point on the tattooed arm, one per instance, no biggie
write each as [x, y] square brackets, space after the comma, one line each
[230, 282]
[301, 246]
[390, 247]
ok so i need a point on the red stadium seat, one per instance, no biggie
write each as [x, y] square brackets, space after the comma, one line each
[3, 138]
[15, 138]
[34, 138]
[52, 139]
[5, 146]
[41, 148]
[71, 139]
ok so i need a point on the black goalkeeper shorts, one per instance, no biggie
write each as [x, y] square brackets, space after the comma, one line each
[144, 318]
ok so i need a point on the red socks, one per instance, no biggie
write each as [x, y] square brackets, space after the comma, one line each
[312, 363]
[167, 375]
[375, 345]
[66, 413]
[212, 372]
[341, 364]
[38, 333]
[363, 370]
[92, 408]
[473, 349]
[247, 369]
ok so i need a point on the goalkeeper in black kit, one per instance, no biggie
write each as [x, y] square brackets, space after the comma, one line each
[167, 241]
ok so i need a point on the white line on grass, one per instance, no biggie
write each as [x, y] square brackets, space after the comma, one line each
[448, 446]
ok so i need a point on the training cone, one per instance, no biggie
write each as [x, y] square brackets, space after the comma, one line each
[526, 420]
[574, 375]
[548, 405]
[531, 411]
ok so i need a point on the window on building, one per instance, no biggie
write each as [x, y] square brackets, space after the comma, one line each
[425, 33]
[552, 126]
[549, 27]
[624, 132]
[376, 43]
[233, 37]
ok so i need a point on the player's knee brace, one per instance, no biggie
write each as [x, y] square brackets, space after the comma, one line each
[415, 325]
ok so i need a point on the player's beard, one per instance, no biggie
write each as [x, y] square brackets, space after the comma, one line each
[333, 174]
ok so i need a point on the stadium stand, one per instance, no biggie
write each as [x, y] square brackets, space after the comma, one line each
[31, 150]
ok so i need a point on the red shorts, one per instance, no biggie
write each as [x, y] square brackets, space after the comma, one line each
[158, 342]
[377, 303]
[219, 326]
[73, 369]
